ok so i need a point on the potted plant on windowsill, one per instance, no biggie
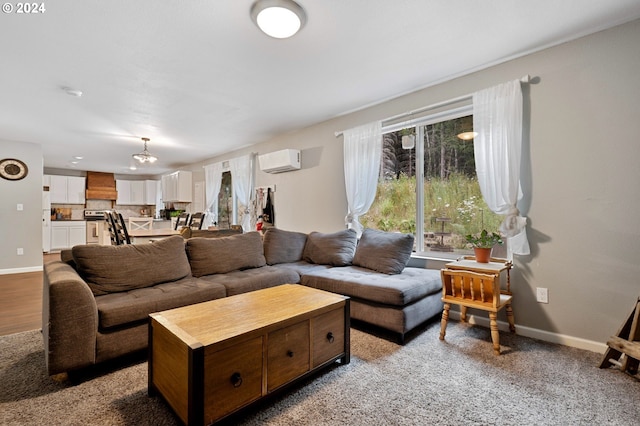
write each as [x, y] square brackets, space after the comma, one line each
[483, 243]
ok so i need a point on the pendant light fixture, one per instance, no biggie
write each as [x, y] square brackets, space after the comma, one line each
[145, 156]
[467, 136]
[278, 18]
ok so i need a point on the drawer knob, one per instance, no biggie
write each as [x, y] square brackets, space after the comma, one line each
[236, 380]
[290, 353]
[330, 337]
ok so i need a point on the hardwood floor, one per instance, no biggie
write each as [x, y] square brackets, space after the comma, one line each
[21, 300]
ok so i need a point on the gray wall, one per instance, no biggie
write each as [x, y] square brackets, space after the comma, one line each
[21, 229]
[582, 177]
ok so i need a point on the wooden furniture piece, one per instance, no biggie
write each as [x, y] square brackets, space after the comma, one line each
[471, 284]
[626, 342]
[196, 220]
[183, 220]
[211, 359]
[136, 223]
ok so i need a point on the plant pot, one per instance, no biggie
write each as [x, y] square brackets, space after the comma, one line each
[482, 254]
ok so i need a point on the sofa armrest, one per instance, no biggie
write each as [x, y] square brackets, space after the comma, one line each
[69, 319]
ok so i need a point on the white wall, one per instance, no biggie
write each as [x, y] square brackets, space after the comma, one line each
[582, 178]
[21, 229]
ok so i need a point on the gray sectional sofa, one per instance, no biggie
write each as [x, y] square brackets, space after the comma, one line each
[97, 299]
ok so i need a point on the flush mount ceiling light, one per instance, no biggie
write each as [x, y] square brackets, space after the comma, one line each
[72, 92]
[145, 156]
[278, 18]
[467, 136]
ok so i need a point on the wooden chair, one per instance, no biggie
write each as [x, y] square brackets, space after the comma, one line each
[476, 290]
[196, 220]
[183, 220]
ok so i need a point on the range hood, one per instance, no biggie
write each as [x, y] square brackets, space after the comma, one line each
[101, 186]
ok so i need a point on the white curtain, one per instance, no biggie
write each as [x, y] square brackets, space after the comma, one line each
[242, 179]
[497, 118]
[362, 153]
[212, 184]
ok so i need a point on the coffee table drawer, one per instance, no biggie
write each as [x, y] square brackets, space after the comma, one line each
[287, 354]
[233, 378]
[328, 336]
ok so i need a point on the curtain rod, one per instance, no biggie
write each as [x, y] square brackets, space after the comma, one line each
[524, 79]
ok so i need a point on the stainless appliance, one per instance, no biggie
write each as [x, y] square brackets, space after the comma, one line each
[95, 220]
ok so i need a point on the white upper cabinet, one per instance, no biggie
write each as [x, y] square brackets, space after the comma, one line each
[151, 192]
[66, 189]
[136, 192]
[176, 187]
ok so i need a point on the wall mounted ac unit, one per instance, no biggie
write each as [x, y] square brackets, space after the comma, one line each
[280, 161]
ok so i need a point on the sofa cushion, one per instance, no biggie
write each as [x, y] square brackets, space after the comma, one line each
[221, 255]
[336, 249]
[117, 309]
[108, 269]
[283, 246]
[399, 289]
[386, 252]
[237, 282]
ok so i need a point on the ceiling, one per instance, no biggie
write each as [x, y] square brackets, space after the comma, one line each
[199, 79]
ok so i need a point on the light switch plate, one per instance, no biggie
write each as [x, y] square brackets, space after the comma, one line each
[542, 295]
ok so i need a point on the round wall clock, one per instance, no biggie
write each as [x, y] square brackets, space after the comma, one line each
[12, 169]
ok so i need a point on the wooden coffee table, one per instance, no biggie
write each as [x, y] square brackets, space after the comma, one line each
[211, 359]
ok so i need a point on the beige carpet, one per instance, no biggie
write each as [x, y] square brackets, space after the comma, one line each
[425, 382]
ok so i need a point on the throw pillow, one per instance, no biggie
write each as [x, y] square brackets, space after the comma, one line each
[386, 252]
[110, 269]
[283, 246]
[336, 249]
[221, 255]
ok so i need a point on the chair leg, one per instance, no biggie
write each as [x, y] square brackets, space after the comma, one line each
[495, 335]
[510, 318]
[445, 318]
[463, 313]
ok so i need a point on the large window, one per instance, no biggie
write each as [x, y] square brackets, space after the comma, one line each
[428, 185]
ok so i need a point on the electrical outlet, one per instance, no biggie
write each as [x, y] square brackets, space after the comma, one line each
[542, 295]
[20, 251]
[20, 207]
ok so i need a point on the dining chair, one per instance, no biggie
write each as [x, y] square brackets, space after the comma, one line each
[111, 227]
[196, 220]
[183, 220]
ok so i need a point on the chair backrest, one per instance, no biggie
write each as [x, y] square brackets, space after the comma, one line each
[470, 288]
[140, 223]
[121, 228]
[196, 220]
[183, 220]
[111, 226]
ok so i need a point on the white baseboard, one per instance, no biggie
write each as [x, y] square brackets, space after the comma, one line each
[20, 270]
[547, 336]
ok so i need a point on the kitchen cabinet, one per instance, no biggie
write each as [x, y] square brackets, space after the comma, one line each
[66, 234]
[176, 187]
[151, 192]
[136, 192]
[66, 189]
